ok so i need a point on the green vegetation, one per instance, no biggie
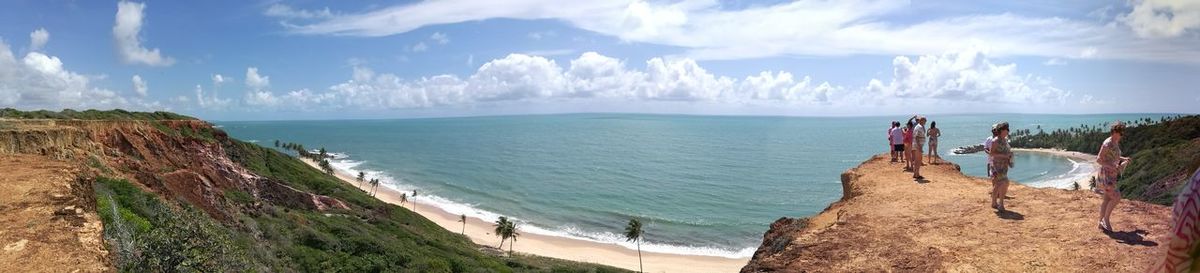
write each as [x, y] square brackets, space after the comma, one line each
[149, 236]
[370, 237]
[633, 232]
[1161, 150]
[91, 114]
[203, 133]
[506, 230]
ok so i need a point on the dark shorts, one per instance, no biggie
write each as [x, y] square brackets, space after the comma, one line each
[898, 148]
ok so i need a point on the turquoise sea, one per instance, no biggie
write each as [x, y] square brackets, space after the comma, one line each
[704, 185]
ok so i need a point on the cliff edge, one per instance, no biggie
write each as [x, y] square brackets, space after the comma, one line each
[886, 222]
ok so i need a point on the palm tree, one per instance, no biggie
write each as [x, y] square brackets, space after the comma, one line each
[414, 203]
[403, 198]
[323, 153]
[374, 185]
[502, 230]
[361, 176]
[511, 233]
[463, 219]
[633, 232]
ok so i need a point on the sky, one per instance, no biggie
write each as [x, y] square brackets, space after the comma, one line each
[302, 59]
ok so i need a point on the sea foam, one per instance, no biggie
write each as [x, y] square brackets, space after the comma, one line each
[343, 163]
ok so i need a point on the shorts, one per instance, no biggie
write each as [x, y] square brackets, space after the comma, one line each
[898, 148]
[920, 144]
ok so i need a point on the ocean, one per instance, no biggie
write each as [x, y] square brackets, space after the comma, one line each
[703, 185]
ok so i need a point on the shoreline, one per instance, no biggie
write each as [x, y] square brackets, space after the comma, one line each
[1084, 182]
[479, 232]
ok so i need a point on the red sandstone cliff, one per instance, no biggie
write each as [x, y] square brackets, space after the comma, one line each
[886, 222]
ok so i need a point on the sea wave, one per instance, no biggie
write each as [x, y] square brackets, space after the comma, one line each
[343, 163]
[1080, 170]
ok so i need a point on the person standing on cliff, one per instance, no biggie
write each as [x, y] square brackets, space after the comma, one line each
[1111, 164]
[896, 141]
[918, 145]
[1001, 155]
[908, 145]
[934, 133]
[987, 149]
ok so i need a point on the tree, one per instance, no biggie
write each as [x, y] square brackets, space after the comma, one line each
[502, 230]
[361, 176]
[374, 186]
[414, 203]
[463, 219]
[633, 232]
[323, 153]
[276, 143]
[403, 198]
[511, 233]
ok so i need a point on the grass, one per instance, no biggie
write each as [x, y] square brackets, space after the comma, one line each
[372, 236]
[91, 114]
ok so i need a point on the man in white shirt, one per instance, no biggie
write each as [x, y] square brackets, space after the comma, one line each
[918, 146]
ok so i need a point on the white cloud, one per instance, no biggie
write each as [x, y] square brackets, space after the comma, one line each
[257, 93]
[126, 34]
[550, 52]
[1054, 62]
[515, 77]
[595, 75]
[139, 85]
[253, 80]
[218, 79]
[966, 79]
[538, 35]
[419, 47]
[1162, 18]
[210, 101]
[968, 75]
[707, 30]
[440, 38]
[287, 12]
[38, 39]
[42, 81]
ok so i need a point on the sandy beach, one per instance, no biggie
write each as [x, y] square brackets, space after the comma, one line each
[1084, 182]
[557, 247]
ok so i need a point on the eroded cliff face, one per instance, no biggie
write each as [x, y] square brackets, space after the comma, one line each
[887, 222]
[181, 159]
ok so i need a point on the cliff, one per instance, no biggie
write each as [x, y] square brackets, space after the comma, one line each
[886, 222]
[104, 191]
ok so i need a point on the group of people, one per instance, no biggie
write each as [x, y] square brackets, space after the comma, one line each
[1000, 160]
[907, 144]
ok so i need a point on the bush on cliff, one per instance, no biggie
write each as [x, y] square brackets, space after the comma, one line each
[1161, 151]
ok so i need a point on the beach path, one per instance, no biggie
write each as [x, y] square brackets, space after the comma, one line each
[887, 222]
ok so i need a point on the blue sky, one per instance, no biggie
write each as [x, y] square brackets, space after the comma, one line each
[247, 60]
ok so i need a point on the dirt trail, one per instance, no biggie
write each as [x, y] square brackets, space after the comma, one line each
[45, 226]
[886, 222]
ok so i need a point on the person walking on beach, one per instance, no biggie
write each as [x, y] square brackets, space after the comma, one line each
[896, 141]
[918, 145]
[1001, 155]
[908, 141]
[1111, 164]
[934, 133]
